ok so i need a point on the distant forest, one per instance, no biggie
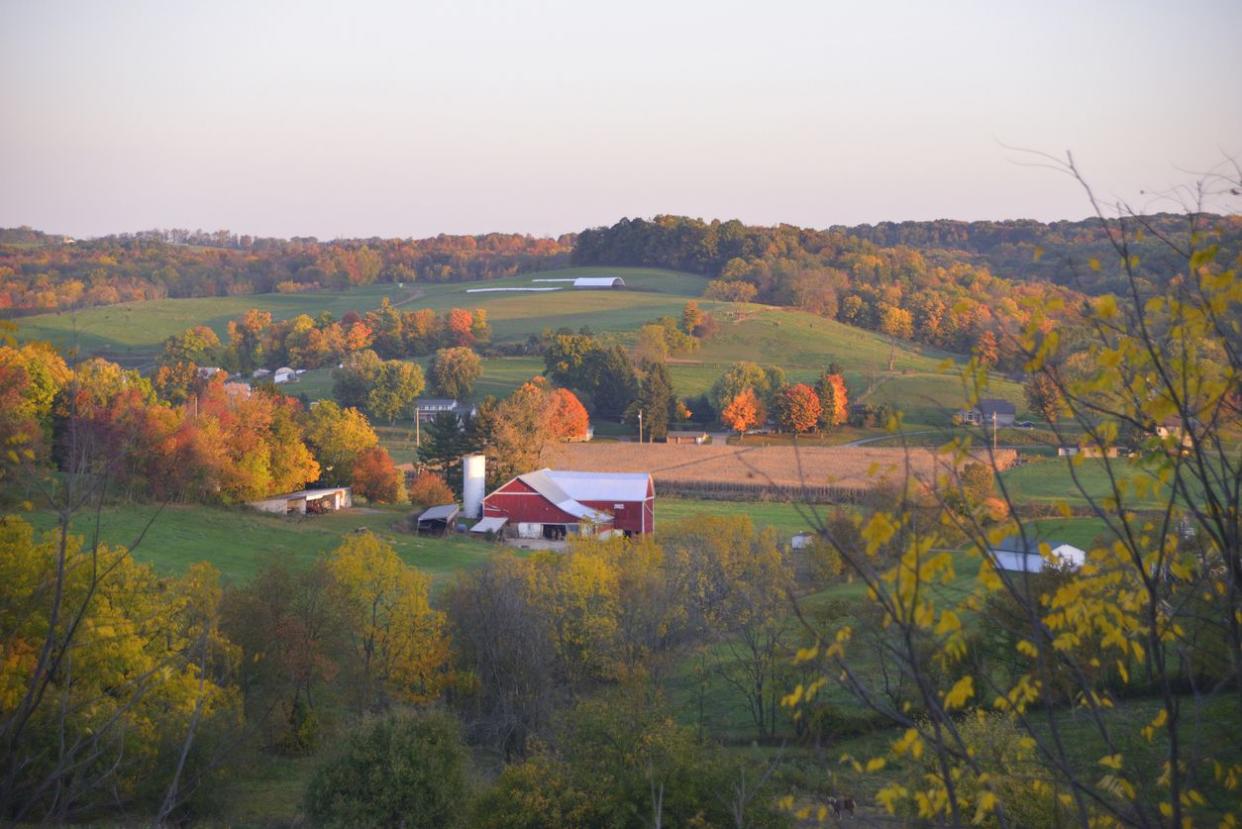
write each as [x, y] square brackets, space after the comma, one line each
[953, 285]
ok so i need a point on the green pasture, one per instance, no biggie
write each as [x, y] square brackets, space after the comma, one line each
[1053, 480]
[239, 541]
[133, 331]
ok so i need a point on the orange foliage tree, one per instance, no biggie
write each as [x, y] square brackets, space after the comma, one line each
[743, 412]
[833, 400]
[377, 478]
[800, 409]
[567, 417]
[429, 490]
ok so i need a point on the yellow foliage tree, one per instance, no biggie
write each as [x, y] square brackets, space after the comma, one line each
[400, 642]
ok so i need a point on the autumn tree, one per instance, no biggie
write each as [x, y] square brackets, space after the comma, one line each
[1113, 655]
[290, 627]
[429, 489]
[1043, 396]
[987, 350]
[198, 345]
[799, 410]
[460, 327]
[339, 438]
[833, 400]
[743, 412]
[376, 478]
[567, 417]
[399, 641]
[98, 648]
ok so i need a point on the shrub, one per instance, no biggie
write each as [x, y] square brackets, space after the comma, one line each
[396, 771]
[430, 489]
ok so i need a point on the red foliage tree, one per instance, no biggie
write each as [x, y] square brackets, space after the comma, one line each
[377, 478]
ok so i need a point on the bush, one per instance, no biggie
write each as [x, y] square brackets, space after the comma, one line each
[396, 771]
[429, 489]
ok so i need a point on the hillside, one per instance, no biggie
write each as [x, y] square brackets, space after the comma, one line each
[878, 368]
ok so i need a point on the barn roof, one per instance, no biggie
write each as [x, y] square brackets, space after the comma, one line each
[599, 486]
[542, 482]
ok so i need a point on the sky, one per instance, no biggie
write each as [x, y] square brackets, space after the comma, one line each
[359, 119]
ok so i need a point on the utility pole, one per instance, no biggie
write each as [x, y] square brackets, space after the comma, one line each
[640, 425]
[418, 434]
[993, 431]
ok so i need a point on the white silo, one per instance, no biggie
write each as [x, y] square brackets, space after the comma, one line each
[473, 472]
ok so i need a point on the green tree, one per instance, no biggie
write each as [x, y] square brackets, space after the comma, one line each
[454, 372]
[353, 380]
[407, 771]
[612, 383]
[396, 387]
[655, 400]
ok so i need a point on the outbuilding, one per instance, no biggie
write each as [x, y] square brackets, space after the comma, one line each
[1020, 555]
[437, 520]
[306, 501]
[551, 503]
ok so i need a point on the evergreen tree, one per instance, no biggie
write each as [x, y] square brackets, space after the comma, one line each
[656, 401]
[613, 383]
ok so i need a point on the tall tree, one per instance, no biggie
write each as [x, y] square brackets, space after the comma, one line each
[655, 400]
[833, 399]
[399, 641]
[454, 372]
[800, 408]
[395, 388]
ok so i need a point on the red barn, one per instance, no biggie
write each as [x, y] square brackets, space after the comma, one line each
[551, 503]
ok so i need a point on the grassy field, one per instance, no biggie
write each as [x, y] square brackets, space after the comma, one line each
[239, 541]
[1053, 480]
[133, 331]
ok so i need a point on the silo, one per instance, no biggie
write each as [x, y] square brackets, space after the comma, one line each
[474, 470]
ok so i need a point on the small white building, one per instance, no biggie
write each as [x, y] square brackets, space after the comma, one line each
[260, 373]
[307, 501]
[284, 374]
[1018, 555]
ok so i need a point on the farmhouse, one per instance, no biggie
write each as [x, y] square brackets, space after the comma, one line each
[988, 412]
[306, 501]
[428, 408]
[1019, 555]
[551, 503]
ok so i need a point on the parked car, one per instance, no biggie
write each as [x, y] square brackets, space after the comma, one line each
[1024, 424]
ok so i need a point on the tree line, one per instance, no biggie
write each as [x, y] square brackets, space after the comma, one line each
[40, 273]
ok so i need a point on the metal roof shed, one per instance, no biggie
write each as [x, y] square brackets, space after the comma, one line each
[438, 519]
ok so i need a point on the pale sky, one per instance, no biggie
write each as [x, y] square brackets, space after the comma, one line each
[417, 118]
